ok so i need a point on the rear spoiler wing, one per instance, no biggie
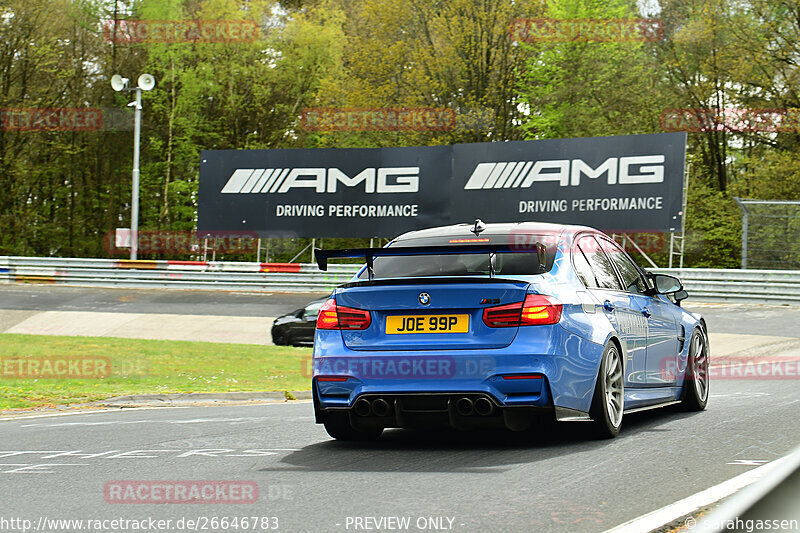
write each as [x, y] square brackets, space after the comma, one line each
[369, 254]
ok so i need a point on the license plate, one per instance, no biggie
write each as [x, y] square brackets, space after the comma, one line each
[404, 324]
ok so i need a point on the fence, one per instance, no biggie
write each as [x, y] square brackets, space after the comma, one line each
[754, 286]
[770, 236]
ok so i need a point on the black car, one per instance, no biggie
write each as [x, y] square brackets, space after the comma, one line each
[297, 328]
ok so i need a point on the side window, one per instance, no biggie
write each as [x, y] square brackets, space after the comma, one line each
[583, 270]
[631, 278]
[601, 266]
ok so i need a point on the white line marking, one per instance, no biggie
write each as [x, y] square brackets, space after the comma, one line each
[665, 515]
[70, 413]
[145, 421]
[104, 423]
[143, 408]
[747, 462]
[221, 420]
[12, 453]
[40, 468]
[741, 394]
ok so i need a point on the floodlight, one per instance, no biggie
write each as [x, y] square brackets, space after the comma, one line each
[146, 82]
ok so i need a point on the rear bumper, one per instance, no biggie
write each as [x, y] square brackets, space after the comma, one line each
[459, 410]
[564, 365]
[531, 392]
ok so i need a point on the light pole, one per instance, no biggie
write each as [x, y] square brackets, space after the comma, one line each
[145, 83]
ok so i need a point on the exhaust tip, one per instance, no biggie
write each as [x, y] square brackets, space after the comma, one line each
[380, 407]
[484, 407]
[361, 407]
[464, 407]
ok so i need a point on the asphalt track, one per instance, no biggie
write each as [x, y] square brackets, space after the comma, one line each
[556, 479]
[559, 480]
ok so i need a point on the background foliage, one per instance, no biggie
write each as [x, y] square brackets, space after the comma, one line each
[62, 191]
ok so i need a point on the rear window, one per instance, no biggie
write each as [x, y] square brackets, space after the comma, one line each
[312, 309]
[506, 264]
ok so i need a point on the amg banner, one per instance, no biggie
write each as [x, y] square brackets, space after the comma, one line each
[329, 192]
[631, 183]
[626, 183]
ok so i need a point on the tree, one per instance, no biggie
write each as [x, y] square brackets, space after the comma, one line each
[587, 87]
[455, 55]
[64, 191]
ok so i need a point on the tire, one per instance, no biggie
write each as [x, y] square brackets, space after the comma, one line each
[694, 395]
[338, 426]
[278, 339]
[608, 401]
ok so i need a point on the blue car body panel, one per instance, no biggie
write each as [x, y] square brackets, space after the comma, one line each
[649, 330]
[570, 373]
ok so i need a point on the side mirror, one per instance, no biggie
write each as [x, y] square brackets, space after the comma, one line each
[665, 284]
[680, 296]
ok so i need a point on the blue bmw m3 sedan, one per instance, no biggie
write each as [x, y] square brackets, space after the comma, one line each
[500, 326]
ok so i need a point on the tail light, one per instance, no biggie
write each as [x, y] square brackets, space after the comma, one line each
[353, 318]
[503, 316]
[327, 317]
[536, 310]
[540, 310]
[332, 316]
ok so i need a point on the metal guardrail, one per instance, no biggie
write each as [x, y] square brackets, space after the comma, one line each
[774, 287]
[771, 500]
[703, 284]
[163, 274]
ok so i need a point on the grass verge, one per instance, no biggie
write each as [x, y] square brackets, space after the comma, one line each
[138, 366]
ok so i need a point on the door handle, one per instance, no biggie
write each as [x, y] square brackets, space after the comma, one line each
[646, 312]
[608, 306]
